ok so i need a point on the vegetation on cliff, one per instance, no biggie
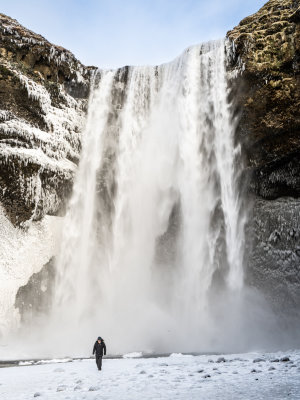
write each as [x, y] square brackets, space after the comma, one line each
[268, 44]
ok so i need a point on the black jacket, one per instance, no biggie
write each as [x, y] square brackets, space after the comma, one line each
[99, 348]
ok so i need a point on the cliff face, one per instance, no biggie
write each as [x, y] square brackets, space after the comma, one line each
[268, 49]
[43, 94]
[43, 99]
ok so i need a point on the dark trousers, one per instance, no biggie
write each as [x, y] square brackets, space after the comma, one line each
[99, 361]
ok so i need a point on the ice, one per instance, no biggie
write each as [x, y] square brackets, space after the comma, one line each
[56, 360]
[121, 379]
[135, 354]
[175, 355]
[23, 363]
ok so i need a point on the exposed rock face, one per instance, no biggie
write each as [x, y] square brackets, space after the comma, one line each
[276, 256]
[35, 297]
[43, 98]
[43, 95]
[268, 46]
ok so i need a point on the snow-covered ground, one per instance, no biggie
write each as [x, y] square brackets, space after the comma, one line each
[243, 376]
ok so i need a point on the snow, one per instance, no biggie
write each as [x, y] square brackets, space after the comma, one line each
[23, 252]
[174, 377]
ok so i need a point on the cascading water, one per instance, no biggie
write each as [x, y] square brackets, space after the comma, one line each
[154, 236]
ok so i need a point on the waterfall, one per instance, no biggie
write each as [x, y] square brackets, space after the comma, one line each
[152, 249]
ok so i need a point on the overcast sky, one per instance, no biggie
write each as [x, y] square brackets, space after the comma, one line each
[113, 33]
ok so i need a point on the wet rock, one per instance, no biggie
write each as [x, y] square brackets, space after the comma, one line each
[255, 370]
[94, 388]
[206, 376]
[285, 359]
[275, 360]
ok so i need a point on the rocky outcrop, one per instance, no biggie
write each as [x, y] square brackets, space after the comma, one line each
[43, 96]
[43, 99]
[275, 260]
[267, 49]
[268, 45]
[35, 297]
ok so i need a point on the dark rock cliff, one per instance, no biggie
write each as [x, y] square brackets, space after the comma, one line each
[267, 49]
[43, 94]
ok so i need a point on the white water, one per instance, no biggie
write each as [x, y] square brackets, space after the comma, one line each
[152, 250]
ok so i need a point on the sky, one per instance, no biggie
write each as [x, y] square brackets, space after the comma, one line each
[114, 33]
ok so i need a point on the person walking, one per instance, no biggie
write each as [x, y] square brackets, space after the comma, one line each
[100, 350]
